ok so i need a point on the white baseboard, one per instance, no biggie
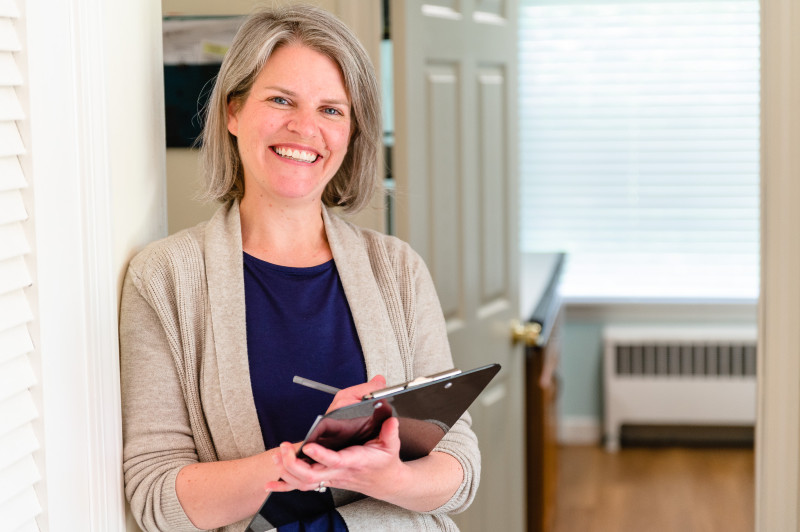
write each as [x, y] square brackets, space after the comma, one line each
[580, 430]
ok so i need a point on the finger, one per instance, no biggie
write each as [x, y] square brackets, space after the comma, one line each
[281, 486]
[376, 383]
[289, 481]
[354, 394]
[292, 465]
[325, 458]
[288, 454]
[277, 486]
[360, 390]
[389, 436]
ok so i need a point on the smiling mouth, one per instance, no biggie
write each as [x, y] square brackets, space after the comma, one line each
[296, 155]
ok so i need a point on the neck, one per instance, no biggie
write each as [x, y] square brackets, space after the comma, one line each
[284, 236]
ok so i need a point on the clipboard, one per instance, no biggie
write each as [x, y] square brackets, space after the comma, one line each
[426, 407]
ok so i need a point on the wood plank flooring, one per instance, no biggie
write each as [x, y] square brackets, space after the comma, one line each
[655, 490]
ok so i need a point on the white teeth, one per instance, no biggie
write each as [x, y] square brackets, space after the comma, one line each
[297, 155]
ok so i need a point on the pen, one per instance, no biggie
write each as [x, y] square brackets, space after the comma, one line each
[316, 385]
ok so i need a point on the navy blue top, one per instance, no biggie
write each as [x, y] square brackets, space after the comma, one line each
[298, 323]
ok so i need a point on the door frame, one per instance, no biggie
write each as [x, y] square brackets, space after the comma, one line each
[778, 416]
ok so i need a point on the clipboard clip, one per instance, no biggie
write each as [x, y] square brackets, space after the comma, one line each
[412, 383]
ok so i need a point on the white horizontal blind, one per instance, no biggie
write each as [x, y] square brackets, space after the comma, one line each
[19, 504]
[640, 145]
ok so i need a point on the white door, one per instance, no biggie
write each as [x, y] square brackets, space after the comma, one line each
[455, 165]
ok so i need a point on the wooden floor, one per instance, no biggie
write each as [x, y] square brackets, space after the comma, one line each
[655, 490]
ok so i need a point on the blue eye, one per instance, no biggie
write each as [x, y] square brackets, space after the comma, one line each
[332, 111]
[279, 100]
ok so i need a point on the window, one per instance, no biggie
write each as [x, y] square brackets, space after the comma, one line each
[640, 145]
[19, 504]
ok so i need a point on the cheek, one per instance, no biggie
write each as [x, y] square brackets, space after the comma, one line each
[343, 137]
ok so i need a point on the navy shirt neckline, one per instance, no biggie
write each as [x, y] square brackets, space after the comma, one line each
[290, 269]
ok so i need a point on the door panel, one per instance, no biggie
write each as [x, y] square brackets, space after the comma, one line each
[493, 178]
[442, 159]
[455, 166]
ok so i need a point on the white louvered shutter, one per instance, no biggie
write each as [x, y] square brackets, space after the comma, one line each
[640, 145]
[19, 504]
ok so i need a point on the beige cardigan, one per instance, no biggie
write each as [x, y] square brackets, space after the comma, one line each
[186, 394]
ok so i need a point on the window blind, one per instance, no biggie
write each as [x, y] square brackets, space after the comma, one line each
[19, 504]
[640, 145]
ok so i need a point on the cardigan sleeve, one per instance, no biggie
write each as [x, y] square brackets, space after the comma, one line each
[157, 434]
[368, 515]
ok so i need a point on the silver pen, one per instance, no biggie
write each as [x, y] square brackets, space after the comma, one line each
[315, 385]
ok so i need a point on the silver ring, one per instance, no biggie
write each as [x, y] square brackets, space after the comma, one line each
[321, 488]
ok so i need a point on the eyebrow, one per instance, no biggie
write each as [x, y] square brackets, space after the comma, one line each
[332, 101]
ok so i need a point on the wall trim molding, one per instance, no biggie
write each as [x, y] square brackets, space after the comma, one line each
[95, 162]
[68, 166]
[106, 498]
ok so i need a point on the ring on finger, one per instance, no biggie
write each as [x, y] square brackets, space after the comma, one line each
[321, 488]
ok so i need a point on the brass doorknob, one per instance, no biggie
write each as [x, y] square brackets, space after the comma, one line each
[525, 332]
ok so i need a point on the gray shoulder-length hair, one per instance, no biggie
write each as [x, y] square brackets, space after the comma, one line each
[260, 35]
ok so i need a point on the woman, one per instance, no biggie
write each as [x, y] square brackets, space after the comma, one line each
[216, 320]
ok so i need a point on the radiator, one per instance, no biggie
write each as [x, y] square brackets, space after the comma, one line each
[695, 376]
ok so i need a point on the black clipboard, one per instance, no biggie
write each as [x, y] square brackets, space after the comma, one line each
[427, 407]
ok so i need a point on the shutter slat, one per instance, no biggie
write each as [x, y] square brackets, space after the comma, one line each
[20, 511]
[16, 376]
[639, 127]
[14, 275]
[8, 9]
[11, 176]
[14, 342]
[8, 37]
[14, 241]
[18, 411]
[14, 310]
[24, 472]
[16, 445]
[10, 109]
[10, 141]
[10, 76]
[12, 209]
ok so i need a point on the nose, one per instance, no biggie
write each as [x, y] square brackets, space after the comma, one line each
[304, 123]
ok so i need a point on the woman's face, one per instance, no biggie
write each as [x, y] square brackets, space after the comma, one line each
[294, 127]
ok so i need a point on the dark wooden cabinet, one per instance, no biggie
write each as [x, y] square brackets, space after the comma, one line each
[542, 389]
[542, 429]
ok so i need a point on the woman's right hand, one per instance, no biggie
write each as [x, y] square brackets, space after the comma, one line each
[354, 394]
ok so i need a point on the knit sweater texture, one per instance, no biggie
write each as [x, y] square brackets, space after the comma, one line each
[186, 393]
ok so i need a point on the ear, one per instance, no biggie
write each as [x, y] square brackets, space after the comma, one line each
[233, 120]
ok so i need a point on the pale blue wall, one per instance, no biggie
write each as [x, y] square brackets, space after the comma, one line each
[581, 369]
